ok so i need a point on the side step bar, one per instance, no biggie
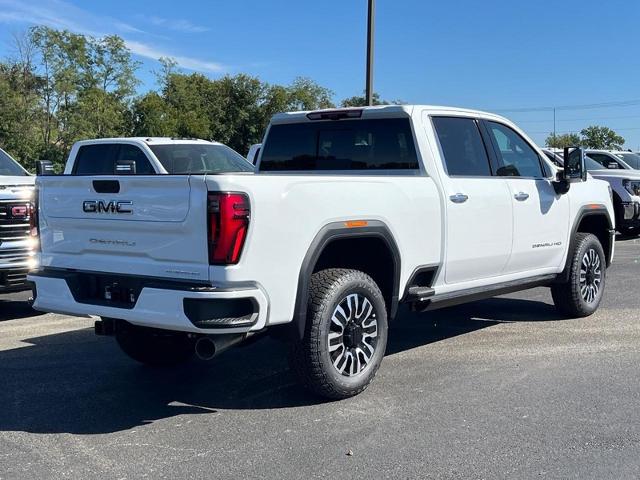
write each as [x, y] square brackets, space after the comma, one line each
[443, 300]
[419, 294]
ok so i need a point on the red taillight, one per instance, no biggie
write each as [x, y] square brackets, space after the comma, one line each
[228, 223]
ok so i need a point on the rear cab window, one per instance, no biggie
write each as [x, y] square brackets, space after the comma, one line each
[101, 159]
[340, 145]
[463, 150]
[193, 158]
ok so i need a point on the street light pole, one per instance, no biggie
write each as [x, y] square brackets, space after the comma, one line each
[370, 25]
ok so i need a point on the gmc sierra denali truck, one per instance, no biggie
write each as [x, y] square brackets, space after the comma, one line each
[349, 213]
[17, 225]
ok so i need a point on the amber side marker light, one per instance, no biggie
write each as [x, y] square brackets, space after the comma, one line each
[356, 223]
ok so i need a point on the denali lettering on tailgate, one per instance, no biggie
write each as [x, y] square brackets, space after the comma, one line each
[101, 206]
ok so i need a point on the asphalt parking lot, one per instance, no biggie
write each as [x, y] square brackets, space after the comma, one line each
[503, 388]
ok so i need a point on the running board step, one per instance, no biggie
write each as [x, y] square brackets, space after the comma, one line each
[480, 293]
[419, 294]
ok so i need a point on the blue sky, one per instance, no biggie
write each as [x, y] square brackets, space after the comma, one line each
[496, 55]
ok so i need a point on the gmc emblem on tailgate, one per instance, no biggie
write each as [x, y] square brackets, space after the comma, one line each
[101, 206]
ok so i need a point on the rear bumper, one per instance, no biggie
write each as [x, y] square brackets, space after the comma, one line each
[155, 306]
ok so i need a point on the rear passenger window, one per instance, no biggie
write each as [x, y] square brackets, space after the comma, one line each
[101, 158]
[462, 147]
[381, 144]
[517, 157]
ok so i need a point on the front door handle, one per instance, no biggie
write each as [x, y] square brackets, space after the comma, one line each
[521, 196]
[459, 198]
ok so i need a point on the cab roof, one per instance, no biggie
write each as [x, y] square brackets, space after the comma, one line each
[147, 140]
[377, 111]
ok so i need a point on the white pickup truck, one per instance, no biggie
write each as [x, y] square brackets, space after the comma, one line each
[349, 213]
[17, 225]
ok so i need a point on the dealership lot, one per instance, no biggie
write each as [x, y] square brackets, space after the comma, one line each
[502, 388]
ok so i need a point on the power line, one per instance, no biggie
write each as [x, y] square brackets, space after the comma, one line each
[585, 106]
[547, 132]
[584, 119]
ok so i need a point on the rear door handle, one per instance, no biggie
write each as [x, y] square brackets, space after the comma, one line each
[521, 196]
[459, 198]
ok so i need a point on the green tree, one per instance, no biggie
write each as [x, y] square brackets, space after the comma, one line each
[361, 101]
[19, 112]
[598, 137]
[63, 87]
[152, 116]
[563, 140]
[85, 90]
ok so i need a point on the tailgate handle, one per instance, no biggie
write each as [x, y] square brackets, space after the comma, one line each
[106, 186]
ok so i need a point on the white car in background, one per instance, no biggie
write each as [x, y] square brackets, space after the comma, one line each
[615, 159]
[17, 224]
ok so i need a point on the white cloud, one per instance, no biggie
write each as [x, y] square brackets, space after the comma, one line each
[61, 14]
[190, 63]
[179, 25]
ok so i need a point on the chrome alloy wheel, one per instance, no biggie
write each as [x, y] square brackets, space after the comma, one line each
[590, 275]
[353, 335]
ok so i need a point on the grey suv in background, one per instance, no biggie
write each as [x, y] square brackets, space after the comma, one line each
[615, 168]
[620, 169]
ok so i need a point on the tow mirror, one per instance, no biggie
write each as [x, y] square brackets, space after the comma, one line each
[125, 167]
[613, 165]
[574, 165]
[44, 167]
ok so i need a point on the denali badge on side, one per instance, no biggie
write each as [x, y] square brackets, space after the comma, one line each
[100, 206]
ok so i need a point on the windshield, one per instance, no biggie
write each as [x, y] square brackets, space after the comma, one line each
[190, 158]
[9, 167]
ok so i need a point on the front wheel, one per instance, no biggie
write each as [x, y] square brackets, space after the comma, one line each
[580, 296]
[345, 335]
[155, 347]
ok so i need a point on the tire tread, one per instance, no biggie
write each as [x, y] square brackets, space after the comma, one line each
[306, 356]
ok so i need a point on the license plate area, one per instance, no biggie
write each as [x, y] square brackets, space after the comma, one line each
[106, 290]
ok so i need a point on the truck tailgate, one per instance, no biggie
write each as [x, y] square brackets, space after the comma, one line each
[140, 225]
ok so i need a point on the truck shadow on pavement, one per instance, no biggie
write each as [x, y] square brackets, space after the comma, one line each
[75, 382]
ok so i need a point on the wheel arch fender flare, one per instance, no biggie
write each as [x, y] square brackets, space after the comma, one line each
[330, 233]
[585, 212]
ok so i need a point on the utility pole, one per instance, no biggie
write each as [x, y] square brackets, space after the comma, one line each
[370, 25]
[554, 122]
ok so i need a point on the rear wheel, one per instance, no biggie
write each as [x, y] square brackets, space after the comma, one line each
[345, 336]
[580, 296]
[153, 346]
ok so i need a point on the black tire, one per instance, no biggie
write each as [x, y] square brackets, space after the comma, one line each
[312, 359]
[569, 297]
[155, 347]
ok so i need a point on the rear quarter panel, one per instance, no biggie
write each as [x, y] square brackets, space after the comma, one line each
[288, 211]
